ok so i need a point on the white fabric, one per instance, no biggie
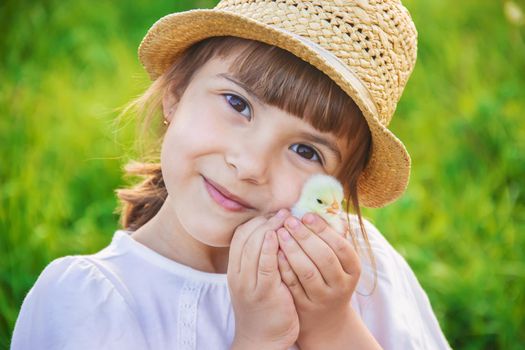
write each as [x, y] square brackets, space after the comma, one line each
[129, 297]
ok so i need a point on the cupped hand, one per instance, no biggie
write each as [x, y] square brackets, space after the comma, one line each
[321, 268]
[265, 315]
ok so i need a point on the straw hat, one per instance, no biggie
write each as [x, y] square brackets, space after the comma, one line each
[367, 47]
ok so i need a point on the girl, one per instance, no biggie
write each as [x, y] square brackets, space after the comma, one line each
[255, 97]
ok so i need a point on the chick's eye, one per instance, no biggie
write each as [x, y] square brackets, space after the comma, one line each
[239, 104]
[319, 201]
[306, 152]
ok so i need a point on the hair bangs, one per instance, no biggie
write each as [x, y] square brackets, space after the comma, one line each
[283, 80]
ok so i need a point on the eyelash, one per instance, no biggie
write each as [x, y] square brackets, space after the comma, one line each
[243, 101]
[316, 153]
[319, 160]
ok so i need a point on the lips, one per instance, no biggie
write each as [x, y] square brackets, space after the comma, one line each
[225, 198]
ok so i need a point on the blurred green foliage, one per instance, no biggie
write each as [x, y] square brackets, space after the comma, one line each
[67, 67]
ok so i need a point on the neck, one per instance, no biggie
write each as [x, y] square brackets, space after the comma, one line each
[165, 235]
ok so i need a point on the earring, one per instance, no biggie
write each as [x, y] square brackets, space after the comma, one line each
[165, 122]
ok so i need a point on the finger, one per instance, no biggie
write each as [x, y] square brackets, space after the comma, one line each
[314, 222]
[241, 234]
[317, 250]
[317, 224]
[289, 277]
[268, 272]
[252, 248]
[342, 247]
[304, 268]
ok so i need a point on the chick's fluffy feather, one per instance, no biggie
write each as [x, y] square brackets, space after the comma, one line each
[323, 195]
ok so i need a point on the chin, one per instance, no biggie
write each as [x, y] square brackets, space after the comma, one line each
[216, 243]
[212, 235]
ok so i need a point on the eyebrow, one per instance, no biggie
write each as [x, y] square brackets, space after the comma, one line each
[306, 135]
[241, 84]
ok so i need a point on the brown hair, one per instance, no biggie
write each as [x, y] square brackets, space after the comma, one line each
[280, 79]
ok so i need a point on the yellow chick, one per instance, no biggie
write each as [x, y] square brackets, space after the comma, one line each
[322, 195]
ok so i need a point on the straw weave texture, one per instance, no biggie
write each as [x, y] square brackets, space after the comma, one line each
[383, 55]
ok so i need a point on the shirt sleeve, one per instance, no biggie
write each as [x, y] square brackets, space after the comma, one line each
[74, 306]
[395, 307]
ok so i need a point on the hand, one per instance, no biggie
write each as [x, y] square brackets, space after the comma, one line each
[321, 268]
[265, 314]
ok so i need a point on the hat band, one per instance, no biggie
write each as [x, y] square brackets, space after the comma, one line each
[342, 68]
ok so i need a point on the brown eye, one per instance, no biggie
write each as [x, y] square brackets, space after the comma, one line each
[238, 104]
[306, 152]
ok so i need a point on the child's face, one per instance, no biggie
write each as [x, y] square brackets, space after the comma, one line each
[220, 134]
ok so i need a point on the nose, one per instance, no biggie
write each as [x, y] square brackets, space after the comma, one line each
[250, 160]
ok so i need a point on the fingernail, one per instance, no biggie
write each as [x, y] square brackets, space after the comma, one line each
[284, 235]
[282, 213]
[309, 219]
[292, 222]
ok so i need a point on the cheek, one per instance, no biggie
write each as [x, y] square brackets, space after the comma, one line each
[287, 190]
[172, 154]
[200, 133]
[185, 140]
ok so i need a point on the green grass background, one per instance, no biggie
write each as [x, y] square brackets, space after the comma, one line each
[66, 66]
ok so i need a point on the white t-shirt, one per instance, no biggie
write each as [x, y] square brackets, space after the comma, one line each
[127, 296]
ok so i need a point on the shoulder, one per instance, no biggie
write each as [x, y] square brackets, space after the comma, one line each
[72, 276]
[89, 276]
[71, 286]
[69, 269]
[388, 262]
[73, 302]
[390, 299]
[383, 268]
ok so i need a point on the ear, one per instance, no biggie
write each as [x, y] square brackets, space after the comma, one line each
[169, 104]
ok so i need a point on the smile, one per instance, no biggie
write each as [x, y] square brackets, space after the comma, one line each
[221, 199]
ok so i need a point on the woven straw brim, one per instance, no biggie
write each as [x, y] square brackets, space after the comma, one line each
[386, 176]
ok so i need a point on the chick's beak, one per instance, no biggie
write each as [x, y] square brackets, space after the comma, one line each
[334, 208]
